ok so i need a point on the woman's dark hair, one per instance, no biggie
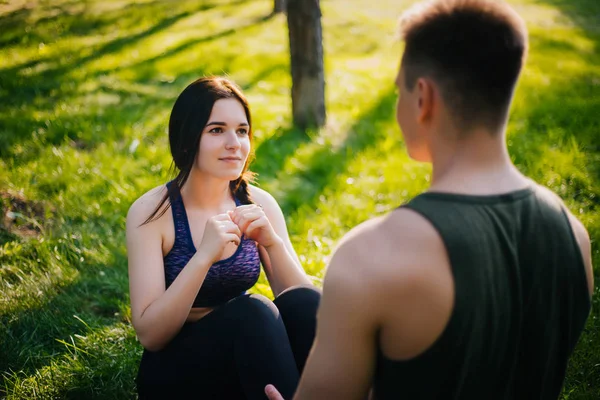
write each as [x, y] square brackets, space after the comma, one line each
[188, 118]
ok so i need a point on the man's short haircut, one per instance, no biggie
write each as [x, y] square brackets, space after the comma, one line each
[474, 51]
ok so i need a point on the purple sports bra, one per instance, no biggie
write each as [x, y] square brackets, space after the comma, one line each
[225, 279]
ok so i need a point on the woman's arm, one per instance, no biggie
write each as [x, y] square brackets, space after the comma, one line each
[158, 314]
[281, 264]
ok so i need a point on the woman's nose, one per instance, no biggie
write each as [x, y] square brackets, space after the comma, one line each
[232, 141]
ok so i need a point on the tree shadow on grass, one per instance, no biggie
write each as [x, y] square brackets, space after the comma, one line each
[29, 338]
[40, 92]
[273, 152]
[561, 115]
[78, 20]
[562, 123]
[325, 164]
[36, 87]
[194, 42]
[584, 13]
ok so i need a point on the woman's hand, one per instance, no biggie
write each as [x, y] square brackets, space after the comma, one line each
[219, 231]
[253, 222]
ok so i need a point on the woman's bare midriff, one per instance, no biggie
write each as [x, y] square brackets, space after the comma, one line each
[198, 312]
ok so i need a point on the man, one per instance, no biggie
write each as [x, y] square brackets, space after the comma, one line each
[480, 287]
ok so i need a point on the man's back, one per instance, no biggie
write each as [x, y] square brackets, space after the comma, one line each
[520, 302]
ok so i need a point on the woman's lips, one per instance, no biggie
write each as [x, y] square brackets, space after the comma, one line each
[232, 160]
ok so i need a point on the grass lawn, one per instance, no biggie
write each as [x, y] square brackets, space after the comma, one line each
[86, 88]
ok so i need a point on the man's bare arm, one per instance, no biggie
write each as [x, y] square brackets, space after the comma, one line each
[342, 359]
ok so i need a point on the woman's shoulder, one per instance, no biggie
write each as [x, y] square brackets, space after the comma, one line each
[262, 197]
[270, 206]
[145, 205]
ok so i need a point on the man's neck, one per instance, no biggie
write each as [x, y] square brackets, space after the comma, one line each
[477, 163]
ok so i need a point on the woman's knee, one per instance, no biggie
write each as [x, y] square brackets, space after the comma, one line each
[251, 308]
[304, 288]
[301, 295]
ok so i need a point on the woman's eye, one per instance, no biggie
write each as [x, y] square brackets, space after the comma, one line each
[243, 131]
[216, 130]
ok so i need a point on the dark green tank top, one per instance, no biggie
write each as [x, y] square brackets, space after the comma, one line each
[521, 301]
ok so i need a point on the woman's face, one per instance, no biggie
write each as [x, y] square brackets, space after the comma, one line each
[225, 141]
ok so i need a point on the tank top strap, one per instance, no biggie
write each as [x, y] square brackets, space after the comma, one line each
[180, 220]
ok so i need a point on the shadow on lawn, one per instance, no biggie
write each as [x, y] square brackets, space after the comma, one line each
[325, 164]
[562, 114]
[36, 87]
[30, 338]
[584, 13]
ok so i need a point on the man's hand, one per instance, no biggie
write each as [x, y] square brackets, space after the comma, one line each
[272, 393]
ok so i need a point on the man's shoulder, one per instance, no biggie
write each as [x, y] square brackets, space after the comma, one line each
[394, 265]
[579, 231]
[401, 244]
[398, 230]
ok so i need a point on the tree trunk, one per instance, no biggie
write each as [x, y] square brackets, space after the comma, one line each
[278, 6]
[306, 50]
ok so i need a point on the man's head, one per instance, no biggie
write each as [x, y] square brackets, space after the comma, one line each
[461, 62]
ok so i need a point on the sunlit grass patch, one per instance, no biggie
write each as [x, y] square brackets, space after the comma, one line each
[92, 364]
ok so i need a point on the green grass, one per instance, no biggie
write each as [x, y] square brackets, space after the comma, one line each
[86, 88]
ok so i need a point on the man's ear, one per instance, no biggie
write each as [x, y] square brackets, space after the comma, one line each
[425, 98]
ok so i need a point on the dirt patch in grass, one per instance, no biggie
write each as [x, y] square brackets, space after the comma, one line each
[20, 217]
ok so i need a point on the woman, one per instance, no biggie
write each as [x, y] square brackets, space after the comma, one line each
[189, 268]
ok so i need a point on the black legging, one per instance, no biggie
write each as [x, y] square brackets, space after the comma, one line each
[236, 350]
